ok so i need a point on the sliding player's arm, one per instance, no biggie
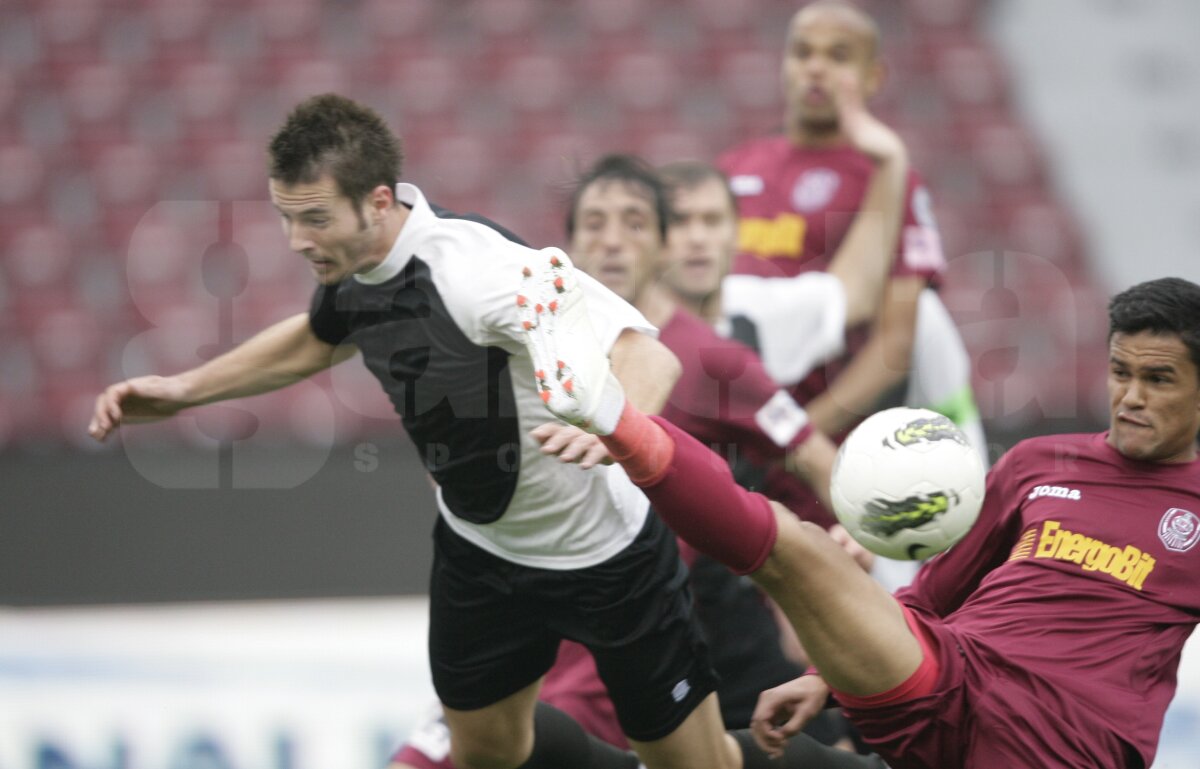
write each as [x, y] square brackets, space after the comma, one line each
[276, 357]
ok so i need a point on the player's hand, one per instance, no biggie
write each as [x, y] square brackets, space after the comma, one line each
[783, 711]
[862, 556]
[572, 445]
[142, 399]
[866, 132]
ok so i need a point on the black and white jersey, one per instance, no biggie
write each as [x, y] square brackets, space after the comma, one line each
[799, 321]
[437, 325]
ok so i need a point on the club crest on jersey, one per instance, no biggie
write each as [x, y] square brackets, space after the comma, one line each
[1179, 529]
[814, 189]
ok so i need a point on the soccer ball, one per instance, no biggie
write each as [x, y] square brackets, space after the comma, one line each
[907, 484]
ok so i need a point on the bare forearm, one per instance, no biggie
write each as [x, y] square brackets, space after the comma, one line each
[646, 369]
[812, 462]
[863, 260]
[881, 365]
[275, 357]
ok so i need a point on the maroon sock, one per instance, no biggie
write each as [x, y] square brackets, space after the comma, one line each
[695, 494]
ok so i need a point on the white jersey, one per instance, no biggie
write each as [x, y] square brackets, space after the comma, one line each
[800, 321]
[799, 324]
[940, 377]
[438, 325]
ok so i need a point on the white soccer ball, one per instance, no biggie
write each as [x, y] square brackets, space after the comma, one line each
[907, 484]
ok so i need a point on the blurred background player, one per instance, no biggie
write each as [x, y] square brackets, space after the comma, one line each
[702, 244]
[797, 195]
[761, 313]
[994, 657]
[617, 226]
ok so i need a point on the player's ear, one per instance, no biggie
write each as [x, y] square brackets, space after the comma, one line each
[874, 78]
[380, 200]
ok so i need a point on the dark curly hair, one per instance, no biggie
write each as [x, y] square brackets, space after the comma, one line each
[335, 135]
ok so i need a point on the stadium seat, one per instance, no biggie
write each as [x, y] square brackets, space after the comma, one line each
[24, 176]
[942, 14]
[126, 173]
[643, 81]
[117, 124]
[537, 83]
[97, 94]
[612, 17]
[397, 21]
[178, 22]
[206, 90]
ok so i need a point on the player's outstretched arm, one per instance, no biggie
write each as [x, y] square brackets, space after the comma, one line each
[881, 365]
[864, 259]
[278, 356]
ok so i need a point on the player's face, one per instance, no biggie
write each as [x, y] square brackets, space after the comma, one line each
[616, 238]
[325, 227]
[701, 240]
[825, 46]
[1154, 397]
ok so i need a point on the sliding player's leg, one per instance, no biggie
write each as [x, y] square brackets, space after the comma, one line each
[856, 634]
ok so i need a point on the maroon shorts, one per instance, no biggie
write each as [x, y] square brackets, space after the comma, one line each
[985, 714]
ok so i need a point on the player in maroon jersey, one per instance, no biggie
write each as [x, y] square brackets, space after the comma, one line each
[798, 194]
[1050, 636]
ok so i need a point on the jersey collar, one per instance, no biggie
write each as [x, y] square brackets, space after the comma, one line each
[403, 249]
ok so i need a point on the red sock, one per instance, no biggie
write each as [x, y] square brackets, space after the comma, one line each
[921, 683]
[694, 493]
[641, 446]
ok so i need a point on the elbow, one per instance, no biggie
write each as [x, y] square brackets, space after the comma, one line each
[671, 367]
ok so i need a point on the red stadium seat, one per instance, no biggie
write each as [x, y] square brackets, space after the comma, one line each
[66, 341]
[397, 21]
[38, 256]
[288, 20]
[179, 22]
[115, 159]
[612, 17]
[206, 90]
[643, 81]
[537, 83]
[455, 169]
[127, 173]
[969, 72]
[234, 170]
[24, 177]
[942, 14]
[97, 94]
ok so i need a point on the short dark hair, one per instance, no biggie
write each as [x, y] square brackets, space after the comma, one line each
[335, 135]
[689, 174]
[1162, 306]
[629, 169]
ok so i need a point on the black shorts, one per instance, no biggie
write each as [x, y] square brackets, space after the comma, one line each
[495, 626]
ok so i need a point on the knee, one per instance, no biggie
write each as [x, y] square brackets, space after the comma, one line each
[796, 545]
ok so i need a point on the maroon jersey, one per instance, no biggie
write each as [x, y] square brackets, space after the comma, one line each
[1082, 577]
[725, 398]
[795, 205]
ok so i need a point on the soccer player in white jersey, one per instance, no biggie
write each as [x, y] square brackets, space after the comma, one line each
[528, 549]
